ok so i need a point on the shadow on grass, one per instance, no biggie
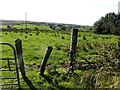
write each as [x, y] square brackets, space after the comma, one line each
[29, 83]
[50, 81]
[47, 78]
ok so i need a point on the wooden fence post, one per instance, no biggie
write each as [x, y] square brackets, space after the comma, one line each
[44, 61]
[18, 45]
[73, 46]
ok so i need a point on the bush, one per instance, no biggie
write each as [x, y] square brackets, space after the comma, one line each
[37, 33]
[63, 37]
[94, 36]
[84, 37]
[30, 34]
[36, 28]
[25, 36]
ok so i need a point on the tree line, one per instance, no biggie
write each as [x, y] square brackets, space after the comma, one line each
[109, 24]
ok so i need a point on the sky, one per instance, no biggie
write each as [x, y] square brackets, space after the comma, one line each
[119, 6]
[81, 12]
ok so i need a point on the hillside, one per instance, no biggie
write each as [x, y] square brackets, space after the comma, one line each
[40, 25]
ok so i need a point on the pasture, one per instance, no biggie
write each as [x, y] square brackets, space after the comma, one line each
[95, 67]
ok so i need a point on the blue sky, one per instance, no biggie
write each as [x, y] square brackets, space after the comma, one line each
[82, 12]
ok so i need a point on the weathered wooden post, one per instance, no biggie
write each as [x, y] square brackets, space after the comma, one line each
[44, 61]
[18, 45]
[73, 47]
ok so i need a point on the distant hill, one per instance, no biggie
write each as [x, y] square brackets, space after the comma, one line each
[14, 22]
[54, 26]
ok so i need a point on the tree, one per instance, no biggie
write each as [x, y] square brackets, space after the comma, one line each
[9, 27]
[107, 24]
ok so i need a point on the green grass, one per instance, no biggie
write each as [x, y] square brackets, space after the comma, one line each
[3, 26]
[92, 49]
[30, 26]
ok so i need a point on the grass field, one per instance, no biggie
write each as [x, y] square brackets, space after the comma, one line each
[29, 26]
[100, 50]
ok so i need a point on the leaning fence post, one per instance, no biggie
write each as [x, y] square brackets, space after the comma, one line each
[73, 46]
[18, 45]
[44, 61]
